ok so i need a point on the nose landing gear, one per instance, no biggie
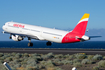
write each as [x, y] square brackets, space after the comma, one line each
[30, 44]
[10, 37]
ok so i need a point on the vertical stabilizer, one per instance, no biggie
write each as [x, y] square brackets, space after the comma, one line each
[82, 24]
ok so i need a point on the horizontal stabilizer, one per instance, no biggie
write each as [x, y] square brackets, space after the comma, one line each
[94, 36]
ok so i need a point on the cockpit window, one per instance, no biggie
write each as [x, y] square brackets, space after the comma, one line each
[6, 23]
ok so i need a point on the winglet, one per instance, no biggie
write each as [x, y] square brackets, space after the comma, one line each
[85, 16]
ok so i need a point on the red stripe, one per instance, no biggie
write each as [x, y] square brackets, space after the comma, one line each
[71, 37]
[78, 31]
[80, 28]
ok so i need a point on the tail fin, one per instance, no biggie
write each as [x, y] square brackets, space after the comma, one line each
[82, 24]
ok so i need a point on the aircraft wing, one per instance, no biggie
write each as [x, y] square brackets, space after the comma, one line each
[23, 35]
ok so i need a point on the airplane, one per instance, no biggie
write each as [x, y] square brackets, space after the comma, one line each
[18, 31]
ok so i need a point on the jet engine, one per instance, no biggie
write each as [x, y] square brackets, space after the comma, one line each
[17, 38]
[85, 38]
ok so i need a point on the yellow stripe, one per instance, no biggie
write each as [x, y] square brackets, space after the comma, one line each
[86, 15]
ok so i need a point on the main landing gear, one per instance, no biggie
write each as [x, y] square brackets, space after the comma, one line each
[48, 43]
[30, 44]
[10, 37]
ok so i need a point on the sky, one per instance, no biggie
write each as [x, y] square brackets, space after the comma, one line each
[61, 14]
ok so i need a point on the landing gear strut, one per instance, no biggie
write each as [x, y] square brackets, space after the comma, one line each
[48, 43]
[10, 37]
[30, 44]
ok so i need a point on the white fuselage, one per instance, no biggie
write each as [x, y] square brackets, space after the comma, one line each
[18, 31]
[36, 32]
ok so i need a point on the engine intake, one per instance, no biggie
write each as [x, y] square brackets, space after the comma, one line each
[85, 38]
[17, 38]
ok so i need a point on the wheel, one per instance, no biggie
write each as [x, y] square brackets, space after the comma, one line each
[48, 43]
[10, 37]
[30, 44]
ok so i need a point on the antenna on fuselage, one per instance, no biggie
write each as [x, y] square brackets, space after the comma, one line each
[12, 21]
[87, 30]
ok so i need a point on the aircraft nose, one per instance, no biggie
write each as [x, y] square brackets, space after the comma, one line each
[3, 27]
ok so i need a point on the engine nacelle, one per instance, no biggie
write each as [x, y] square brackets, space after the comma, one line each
[17, 38]
[85, 38]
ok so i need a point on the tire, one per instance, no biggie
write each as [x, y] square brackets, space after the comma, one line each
[10, 37]
[30, 44]
[48, 43]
